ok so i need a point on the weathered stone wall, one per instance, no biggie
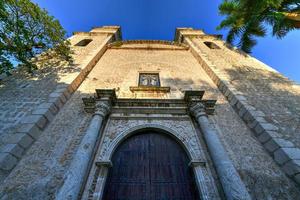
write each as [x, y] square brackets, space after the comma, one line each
[40, 173]
[265, 89]
[119, 68]
[249, 94]
[30, 102]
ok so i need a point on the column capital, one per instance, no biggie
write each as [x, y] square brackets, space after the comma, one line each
[102, 108]
[101, 103]
[197, 109]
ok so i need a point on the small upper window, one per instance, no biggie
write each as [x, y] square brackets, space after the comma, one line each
[149, 79]
[83, 42]
[211, 45]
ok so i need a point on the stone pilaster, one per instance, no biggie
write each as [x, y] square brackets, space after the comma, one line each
[75, 175]
[232, 184]
[205, 185]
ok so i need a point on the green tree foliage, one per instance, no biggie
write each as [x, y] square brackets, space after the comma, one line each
[27, 30]
[247, 19]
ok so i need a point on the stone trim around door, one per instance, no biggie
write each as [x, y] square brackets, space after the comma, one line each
[180, 127]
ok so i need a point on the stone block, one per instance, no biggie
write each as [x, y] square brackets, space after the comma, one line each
[297, 178]
[240, 104]
[241, 98]
[58, 95]
[227, 92]
[283, 155]
[64, 90]
[230, 96]
[67, 94]
[267, 135]
[45, 112]
[233, 101]
[63, 98]
[57, 102]
[261, 127]
[39, 120]
[55, 94]
[224, 89]
[275, 143]
[7, 161]
[292, 167]
[242, 111]
[252, 124]
[221, 85]
[260, 120]
[50, 106]
[248, 117]
[30, 129]
[14, 149]
[71, 89]
[22, 139]
[258, 113]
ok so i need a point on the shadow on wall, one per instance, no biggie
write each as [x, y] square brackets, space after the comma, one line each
[41, 169]
[272, 93]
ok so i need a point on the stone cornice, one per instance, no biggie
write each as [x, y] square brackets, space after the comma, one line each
[150, 106]
[148, 44]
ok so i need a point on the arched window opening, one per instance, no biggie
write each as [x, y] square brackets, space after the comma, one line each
[83, 42]
[211, 45]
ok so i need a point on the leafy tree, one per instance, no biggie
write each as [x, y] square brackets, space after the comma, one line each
[27, 30]
[247, 19]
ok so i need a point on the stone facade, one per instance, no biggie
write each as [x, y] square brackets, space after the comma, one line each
[48, 133]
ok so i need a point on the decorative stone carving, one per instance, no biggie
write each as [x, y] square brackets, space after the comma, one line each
[118, 130]
[103, 108]
[197, 109]
[182, 130]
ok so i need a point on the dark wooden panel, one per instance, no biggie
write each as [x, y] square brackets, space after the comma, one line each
[150, 166]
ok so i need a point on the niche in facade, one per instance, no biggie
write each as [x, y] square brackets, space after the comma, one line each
[149, 79]
[211, 45]
[83, 42]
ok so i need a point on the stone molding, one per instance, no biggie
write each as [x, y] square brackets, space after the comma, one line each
[285, 154]
[116, 131]
[188, 143]
[149, 89]
[168, 45]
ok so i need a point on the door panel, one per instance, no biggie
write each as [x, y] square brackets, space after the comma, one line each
[150, 166]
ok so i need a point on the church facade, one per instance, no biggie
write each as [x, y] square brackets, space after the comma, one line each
[192, 118]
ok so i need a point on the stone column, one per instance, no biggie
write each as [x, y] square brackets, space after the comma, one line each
[75, 175]
[232, 184]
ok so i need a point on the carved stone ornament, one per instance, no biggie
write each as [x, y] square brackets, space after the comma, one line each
[102, 108]
[197, 109]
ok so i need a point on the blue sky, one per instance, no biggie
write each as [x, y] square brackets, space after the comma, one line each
[157, 19]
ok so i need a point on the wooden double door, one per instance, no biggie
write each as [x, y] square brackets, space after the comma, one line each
[150, 166]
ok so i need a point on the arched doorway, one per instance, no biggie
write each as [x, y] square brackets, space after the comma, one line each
[150, 166]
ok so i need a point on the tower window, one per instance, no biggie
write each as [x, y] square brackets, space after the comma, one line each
[211, 45]
[149, 79]
[83, 42]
